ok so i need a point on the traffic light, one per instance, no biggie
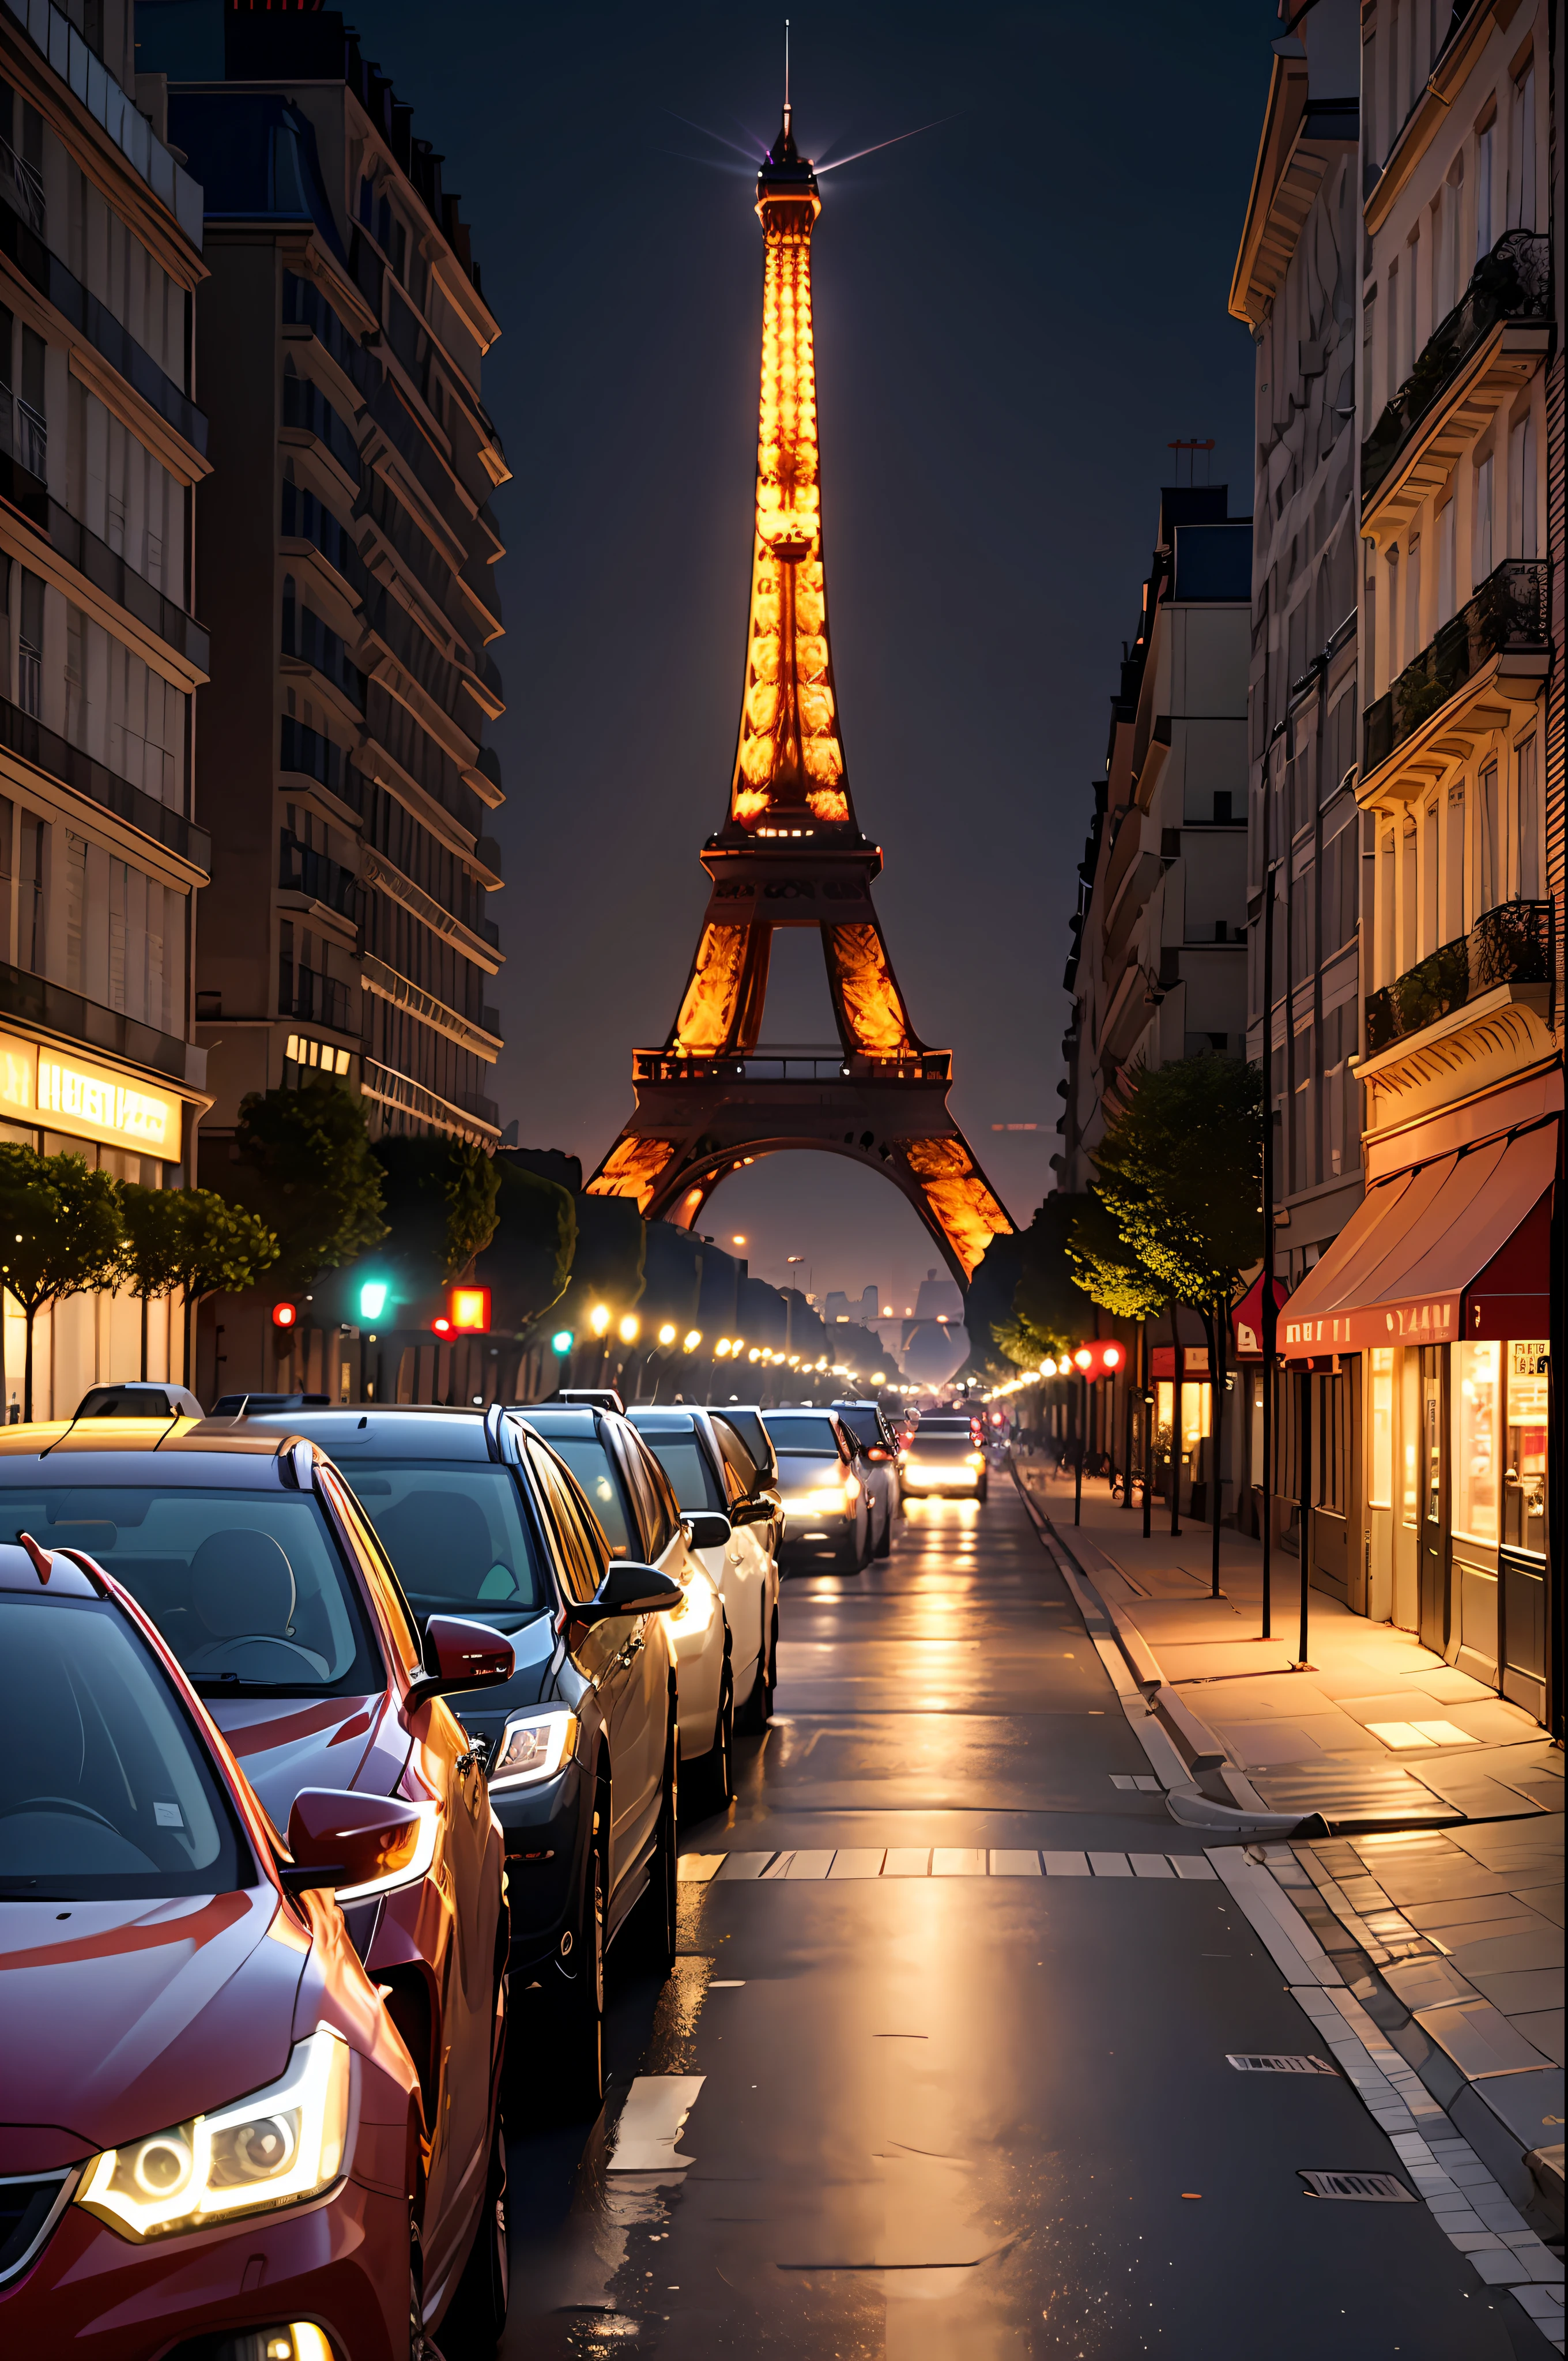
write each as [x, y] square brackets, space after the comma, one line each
[1096, 1360]
[373, 1293]
[562, 1341]
[468, 1310]
[285, 1315]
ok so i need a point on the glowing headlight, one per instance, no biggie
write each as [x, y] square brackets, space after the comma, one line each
[826, 1503]
[280, 2146]
[851, 1490]
[533, 1747]
[408, 1870]
[975, 1459]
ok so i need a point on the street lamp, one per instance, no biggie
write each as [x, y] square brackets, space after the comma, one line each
[628, 1329]
[692, 1340]
[667, 1332]
[599, 1319]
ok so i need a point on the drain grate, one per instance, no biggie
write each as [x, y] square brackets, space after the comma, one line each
[1371, 2188]
[1244, 2064]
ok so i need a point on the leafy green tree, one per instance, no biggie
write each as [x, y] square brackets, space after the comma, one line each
[1106, 1269]
[528, 1262]
[60, 1235]
[439, 1205]
[302, 1164]
[193, 1241]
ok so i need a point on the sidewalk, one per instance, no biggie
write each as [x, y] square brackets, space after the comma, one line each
[1438, 1899]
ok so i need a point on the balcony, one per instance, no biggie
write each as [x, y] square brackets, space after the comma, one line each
[318, 999]
[22, 735]
[302, 869]
[1506, 617]
[21, 186]
[1472, 361]
[32, 1000]
[1514, 943]
[788, 1063]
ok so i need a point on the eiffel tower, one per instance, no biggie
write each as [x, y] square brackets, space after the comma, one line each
[791, 853]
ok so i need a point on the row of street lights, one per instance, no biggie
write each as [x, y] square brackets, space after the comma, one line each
[629, 1329]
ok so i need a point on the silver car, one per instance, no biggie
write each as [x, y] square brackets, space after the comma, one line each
[826, 1508]
[685, 1442]
[877, 1466]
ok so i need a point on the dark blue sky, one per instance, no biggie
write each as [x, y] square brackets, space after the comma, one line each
[1015, 315]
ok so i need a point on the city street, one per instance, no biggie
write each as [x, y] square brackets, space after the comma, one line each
[941, 2104]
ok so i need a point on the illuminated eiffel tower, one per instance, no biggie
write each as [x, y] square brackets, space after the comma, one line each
[791, 853]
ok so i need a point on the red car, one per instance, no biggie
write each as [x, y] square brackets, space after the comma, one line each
[221, 2141]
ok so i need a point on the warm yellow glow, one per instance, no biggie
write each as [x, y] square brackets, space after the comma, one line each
[755, 1354]
[627, 1331]
[969, 1214]
[865, 997]
[691, 1340]
[739, 1239]
[706, 1018]
[631, 1169]
[667, 1332]
[599, 1319]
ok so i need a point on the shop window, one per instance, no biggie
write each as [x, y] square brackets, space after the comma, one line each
[1476, 1441]
[1409, 1447]
[1524, 1466]
[1381, 1384]
[1432, 1434]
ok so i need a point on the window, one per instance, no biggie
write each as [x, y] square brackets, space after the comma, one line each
[75, 906]
[1484, 151]
[1529, 829]
[1429, 836]
[1522, 489]
[655, 1500]
[1381, 1472]
[1445, 561]
[684, 1462]
[31, 646]
[1481, 539]
[1524, 1466]
[1454, 866]
[1475, 1408]
[30, 850]
[1521, 151]
[1413, 600]
[1409, 1463]
[456, 1535]
[583, 1557]
[1488, 891]
[589, 1462]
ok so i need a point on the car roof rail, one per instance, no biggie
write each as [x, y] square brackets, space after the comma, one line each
[495, 1423]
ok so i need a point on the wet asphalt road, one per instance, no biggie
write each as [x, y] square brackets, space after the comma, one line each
[958, 2116]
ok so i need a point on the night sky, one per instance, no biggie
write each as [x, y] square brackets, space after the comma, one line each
[1015, 313]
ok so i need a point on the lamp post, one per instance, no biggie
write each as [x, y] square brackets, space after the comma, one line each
[1268, 1332]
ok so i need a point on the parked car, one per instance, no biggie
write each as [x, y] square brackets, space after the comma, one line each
[824, 1499]
[755, 1465]
[249, 1554]
[688, 1448]
[477, 1514]
[137, 1397]
[944, 1457]
[877, 1466]
[630, 1494]
[217, 2141]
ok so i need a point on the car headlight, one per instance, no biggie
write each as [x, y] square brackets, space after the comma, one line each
[977, 1459]
[827, 1503]
[277, 2148]
[851, 1490]
[532, 1747]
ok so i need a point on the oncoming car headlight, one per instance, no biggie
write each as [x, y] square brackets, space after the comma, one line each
[276, 2147]
[532, 1746]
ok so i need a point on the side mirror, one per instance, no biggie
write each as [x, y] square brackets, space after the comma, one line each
[459, 1654]
[340, 1840]
[629, 1590]
[707, 1528]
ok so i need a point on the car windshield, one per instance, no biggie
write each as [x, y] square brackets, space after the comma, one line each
[104, 1792]
[864, 1424]
[795, 1434]
[589, 1460]
[684, 1462]
[456, 1535]
[246, 1586]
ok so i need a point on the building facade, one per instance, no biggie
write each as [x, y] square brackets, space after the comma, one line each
[1417, 1337]
[102, 449]
[1295, 289]
[1158, 971]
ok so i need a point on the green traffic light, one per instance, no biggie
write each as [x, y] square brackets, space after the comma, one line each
[372, 1299]
[561, 1341]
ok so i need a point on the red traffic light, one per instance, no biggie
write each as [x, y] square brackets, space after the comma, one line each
[442, 1326]
[284, 1315]
[469, 1308]
[1098, 1359]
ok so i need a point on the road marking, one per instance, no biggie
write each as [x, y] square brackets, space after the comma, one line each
[652, 2121]
[945, 1861]
[858, 1861]
[696, 1867]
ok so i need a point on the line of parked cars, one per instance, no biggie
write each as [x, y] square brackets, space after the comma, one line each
[333, 1727]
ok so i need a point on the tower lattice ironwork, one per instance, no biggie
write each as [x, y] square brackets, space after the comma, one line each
[791, 853]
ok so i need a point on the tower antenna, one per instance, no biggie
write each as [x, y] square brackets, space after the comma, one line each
[786, 74]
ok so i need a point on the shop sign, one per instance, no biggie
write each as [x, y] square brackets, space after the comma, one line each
[1375, 1323]
[46, 1086]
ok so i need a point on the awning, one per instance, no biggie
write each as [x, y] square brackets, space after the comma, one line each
[1433, 1255]
[1246, 1317]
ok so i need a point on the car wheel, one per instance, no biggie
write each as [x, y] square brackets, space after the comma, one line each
[980, 1491]
[716, 1769]
[663, 1871]
[477, 2317]
[884, 1547]
[582, 1997]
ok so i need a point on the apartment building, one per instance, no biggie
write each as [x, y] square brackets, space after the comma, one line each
[1157, 969]
[1432, 1310]
[1295, 288]
[102, 446]
[350, 544]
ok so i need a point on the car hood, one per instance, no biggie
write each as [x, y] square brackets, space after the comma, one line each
[119, 2018]
[286, 1743]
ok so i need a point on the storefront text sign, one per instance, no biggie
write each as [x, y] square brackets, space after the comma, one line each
[1375, 1323]
[64, 1094]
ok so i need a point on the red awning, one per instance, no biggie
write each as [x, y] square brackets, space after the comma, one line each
[1246, 1317]
[1422, 1244]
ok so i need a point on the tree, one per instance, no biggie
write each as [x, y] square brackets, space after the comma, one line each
[1106, 1269]
[440, 1201]
[191, 1240]
[60, 1235]
[1179, 1171]
[304, 1166]
[528, 1262]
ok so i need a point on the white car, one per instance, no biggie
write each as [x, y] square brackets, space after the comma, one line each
[687, 1449]
[877, 1466]
[631, 1496]
[827, 1505]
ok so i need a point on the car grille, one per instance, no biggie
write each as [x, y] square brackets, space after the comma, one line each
[29, 2209]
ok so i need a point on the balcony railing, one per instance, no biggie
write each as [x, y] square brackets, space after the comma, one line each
[21, 185]
[21, 733]
[302, 869]
[1512, 944]
[1512, 283]
[319, 999]
[35, 1001]
[787, 1065]
[1506, 615]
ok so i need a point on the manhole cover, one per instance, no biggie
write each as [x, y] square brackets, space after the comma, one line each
[1246, 2064]
[1371, 2188]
